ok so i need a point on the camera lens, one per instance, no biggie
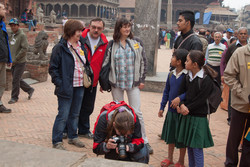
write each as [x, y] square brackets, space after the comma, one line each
[122, 150]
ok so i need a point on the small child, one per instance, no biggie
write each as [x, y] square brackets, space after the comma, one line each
[170, 94]
[193, 130]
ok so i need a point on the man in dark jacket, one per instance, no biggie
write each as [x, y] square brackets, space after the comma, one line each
[4, 57]
[18, 47]
[95, 42]
[187, 40]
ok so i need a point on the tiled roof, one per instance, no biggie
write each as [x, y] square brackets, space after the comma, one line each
[217, 10]
[247, 8]
[127, 4]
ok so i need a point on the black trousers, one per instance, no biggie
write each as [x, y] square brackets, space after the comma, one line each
[238, 120]
[88, 104]
[17, 82]
[245, 155]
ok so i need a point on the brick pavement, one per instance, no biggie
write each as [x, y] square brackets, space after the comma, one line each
[31, 121]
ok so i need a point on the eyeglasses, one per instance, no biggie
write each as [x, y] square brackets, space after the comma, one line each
[98, 28]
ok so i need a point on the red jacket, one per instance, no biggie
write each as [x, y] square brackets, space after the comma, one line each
[97, 59]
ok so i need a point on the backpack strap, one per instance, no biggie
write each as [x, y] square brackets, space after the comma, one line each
[185, 39]
[170, 74]
[111, 107]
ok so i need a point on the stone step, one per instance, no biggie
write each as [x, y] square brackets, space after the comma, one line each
[30, 81]
[156, 83]
[16, 154]
[26, 74]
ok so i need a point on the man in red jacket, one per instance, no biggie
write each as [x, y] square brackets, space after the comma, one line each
[95, 43]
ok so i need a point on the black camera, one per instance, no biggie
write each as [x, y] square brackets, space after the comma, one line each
[121, 142]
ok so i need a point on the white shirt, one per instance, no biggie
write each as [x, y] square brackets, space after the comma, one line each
[93, 43]
[199, 74]
[179, 74]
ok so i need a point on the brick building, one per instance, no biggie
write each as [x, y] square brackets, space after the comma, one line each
[16, 7]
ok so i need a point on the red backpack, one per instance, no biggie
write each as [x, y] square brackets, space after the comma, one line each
[111, 107]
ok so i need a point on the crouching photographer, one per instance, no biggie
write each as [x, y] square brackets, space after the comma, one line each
[117, 134]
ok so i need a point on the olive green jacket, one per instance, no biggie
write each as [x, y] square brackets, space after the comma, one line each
[18, 47]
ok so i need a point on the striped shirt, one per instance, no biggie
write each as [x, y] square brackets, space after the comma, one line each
[124, 67]
[78, 71]
[214, 53]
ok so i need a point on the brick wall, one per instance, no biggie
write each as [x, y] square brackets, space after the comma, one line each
[38, 72]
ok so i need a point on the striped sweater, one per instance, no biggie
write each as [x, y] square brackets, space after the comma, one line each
[214, 53]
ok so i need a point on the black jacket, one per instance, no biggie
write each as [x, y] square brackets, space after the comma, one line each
[192, 43]
[196, 96]
[61, 68]
[5, 55]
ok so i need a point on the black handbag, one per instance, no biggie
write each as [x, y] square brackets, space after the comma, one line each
[104, 74]
[104, 77]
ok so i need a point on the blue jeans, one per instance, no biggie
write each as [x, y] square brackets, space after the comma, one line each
[29, 23]
[141, 156]
[68, 112]
[195, 157]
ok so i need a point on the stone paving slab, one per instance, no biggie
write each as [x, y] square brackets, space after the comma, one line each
[100, 162]
[26, 155]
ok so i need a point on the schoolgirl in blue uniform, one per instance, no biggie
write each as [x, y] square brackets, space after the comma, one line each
[170, 95]
[193, 130]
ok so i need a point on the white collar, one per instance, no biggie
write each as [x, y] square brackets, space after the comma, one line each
[218, 44]
[199, 74]
[178, 75]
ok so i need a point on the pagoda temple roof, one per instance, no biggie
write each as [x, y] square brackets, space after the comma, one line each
[218, 10]
[131, 3]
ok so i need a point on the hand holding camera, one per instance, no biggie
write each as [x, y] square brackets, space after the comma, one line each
[120, 144]
[111, 144]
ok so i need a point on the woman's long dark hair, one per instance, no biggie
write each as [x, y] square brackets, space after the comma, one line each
[118, 25]
[198, 57]
[124, 122]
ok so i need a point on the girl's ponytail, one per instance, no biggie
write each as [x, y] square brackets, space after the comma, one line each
[209, 71]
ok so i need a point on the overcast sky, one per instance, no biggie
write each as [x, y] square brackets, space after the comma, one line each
[237, 4]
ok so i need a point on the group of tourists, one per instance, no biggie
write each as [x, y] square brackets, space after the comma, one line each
[79, 49]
